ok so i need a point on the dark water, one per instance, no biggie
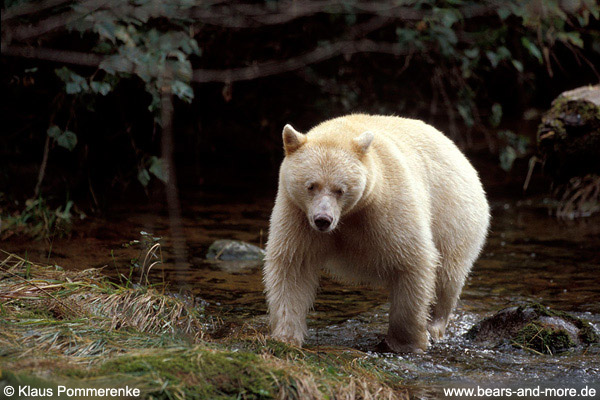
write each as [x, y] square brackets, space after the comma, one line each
[529, 257]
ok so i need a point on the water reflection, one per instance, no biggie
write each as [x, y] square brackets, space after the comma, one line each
[529, 256]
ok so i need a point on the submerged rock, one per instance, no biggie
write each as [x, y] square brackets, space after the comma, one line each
[534, 327]
[234, 250]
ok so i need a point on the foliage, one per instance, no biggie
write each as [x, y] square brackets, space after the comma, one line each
[37, 220]
[479, 60]
[514, 146]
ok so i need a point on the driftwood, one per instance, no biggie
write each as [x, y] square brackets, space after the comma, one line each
[569, 147]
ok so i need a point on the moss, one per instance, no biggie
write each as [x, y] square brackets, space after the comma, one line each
[534, 327]
[201, 373]
[562, 106]
[587, 334]
[331, 363]
[543, 339]
[569, 139]
[89, 349]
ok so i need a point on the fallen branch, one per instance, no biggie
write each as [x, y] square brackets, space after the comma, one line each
[255, 71]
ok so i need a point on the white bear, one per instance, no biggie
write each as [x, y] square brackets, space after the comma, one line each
[374, 199]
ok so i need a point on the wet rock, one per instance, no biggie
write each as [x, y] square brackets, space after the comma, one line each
[234, 250]
[534, 327]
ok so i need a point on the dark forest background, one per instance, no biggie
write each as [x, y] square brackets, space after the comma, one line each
[111, 100]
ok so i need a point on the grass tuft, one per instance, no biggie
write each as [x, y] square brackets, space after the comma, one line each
[77, 327]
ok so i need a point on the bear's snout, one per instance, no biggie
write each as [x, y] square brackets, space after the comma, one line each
[323, 222]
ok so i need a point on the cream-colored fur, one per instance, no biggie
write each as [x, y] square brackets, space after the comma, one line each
[381, 200]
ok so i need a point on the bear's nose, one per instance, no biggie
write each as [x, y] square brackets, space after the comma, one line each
[323, 222]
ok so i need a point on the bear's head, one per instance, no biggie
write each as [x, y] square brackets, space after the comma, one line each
[326, 177]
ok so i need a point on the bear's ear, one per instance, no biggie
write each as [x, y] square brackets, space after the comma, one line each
[292, 139]
[361, 143]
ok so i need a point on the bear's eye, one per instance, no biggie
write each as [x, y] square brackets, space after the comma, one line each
[339, 192]
[311, 187]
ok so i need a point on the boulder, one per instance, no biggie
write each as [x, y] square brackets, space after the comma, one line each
[534, 327]
[234, 250]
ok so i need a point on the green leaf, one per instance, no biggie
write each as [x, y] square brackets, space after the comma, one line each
[63, 73]
[74, 83]
[532, 49]
[158, 169]
[408, 37]
[493, 57]
[504, 12]
[68, 140]
[183, 91]
[472, 53]
[73, 88]
[106, 29]
[54, 131]
[144, 177]
[466, 114]
[518, 65]
[503, 53]
[101, 87]
[571, 37]
[103, 48]
[496, 115]
[508, 155]
[446, 16]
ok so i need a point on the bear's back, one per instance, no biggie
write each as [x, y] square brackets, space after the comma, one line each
[403, 132]
[414, 140]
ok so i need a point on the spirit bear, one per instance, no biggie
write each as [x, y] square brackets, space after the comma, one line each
[378, 200]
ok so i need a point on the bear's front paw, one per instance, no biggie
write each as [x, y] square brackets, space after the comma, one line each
[389, 345]
[294, 341]
[288, 335]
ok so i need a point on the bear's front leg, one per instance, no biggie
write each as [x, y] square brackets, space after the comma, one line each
[411, 295]
[290, 285]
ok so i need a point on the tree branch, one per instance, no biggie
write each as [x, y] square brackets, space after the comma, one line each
[31, 8]
[54, 55]
[253, 15]
[24, 32]
[53, 22]
[322, 53]
[255, 71]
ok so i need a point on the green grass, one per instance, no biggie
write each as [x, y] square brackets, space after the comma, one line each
[77, 327]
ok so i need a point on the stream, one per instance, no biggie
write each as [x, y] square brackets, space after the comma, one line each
[529, 256]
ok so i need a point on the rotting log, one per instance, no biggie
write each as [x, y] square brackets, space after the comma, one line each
[569, 135]
[568, 142]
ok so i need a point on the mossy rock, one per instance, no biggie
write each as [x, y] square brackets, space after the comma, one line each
[569, 136]
[534, 327]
